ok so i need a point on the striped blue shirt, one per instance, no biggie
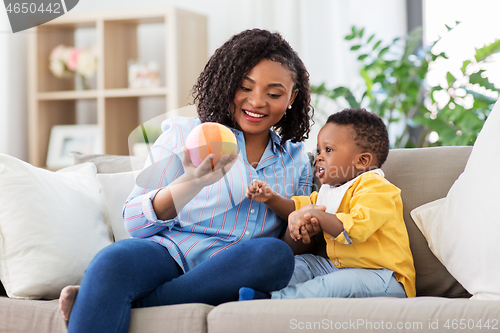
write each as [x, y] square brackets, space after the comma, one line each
[220, 215]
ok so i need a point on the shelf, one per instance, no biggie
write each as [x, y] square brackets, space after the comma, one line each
[90, 94]
[67, 95]
[152, 15]
[136, 92]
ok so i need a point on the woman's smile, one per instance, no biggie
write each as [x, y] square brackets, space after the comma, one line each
[253, 116]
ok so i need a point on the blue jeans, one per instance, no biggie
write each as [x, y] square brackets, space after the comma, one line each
[140, 273]
[315, 276]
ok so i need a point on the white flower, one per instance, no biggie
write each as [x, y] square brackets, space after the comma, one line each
[57, 68]
[65, 61]
[87, 63]
[57, 53]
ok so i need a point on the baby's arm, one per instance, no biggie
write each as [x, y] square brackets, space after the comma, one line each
[262, 192]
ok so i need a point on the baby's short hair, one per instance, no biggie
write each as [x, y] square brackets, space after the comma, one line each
[371, 132]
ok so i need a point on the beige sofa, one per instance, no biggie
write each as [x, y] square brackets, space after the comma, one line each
[441, 304]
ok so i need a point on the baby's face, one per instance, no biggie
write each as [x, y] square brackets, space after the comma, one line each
[337, 154]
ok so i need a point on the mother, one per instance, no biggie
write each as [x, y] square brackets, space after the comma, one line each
[191, 244]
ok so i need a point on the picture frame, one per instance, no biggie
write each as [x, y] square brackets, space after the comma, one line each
[143, 74]
[64, 139]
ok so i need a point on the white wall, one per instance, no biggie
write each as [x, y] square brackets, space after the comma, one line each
[3, 82]
[13, 101]
[315, 28]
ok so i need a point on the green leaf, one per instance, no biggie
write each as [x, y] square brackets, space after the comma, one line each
[477, 78]
[362, 57]
[368, 80]
[349, 97]
[361, 33]
[383, 51]
[464, 65]
[414, 39]
[355, 47]
[377, 44]
[379, 78]
[370, 39]
[451, 28]
[318, 89]
[480, 97]
[440, 55]
[336, 93]
[349, 37]
[450, 79]
[487, 50]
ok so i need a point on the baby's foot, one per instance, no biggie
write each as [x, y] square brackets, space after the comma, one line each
[247, 294]
[67, 299]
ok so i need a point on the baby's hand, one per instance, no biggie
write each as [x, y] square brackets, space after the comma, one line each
[259, 191]
[296, 220]
[302, 226]
[310, 229]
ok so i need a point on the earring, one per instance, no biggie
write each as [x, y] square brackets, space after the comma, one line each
[289, 107]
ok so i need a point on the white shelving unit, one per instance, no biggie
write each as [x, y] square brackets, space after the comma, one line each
[52, 100]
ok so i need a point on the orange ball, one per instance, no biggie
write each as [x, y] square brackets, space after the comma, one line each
[210, 138]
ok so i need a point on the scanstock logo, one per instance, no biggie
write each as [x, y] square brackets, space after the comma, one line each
[25, 14]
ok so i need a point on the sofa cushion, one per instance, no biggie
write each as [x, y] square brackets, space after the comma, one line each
[27, 316]
[424, 175]
[172, 318]
[379, 314]
[51, 225]
[116, 187]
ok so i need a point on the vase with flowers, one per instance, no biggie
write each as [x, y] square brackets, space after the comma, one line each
[68, 62]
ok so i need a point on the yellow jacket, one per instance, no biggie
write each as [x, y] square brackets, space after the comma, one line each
[372, 213]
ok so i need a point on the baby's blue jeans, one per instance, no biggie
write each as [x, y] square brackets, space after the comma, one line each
[315, 276]
[141, 273]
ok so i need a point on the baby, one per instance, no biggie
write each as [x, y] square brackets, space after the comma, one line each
[366, 239]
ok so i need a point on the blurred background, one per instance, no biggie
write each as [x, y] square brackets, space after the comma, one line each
[433, 80]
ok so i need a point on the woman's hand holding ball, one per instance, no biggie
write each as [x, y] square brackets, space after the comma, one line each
[211, 150]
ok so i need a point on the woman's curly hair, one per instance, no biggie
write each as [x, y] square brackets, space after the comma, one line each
[216, 86]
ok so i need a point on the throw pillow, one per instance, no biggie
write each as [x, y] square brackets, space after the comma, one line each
[116, 187]
[51, 225]
[463, 233]
[427, 220]
[110, 163]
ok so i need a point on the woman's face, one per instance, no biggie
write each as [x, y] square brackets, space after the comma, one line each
[263, 97]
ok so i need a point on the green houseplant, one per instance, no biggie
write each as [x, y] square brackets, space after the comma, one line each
[396, 88]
